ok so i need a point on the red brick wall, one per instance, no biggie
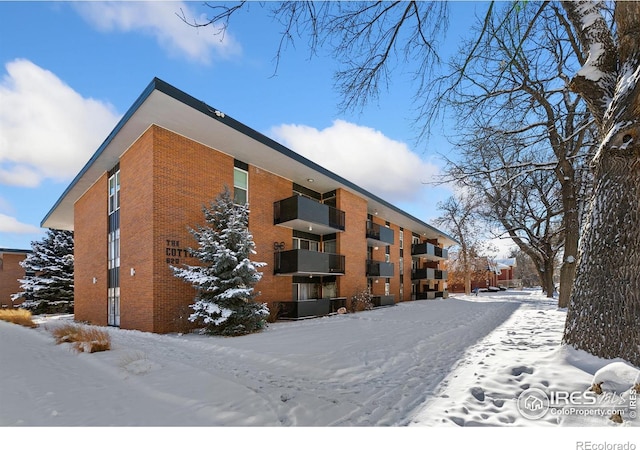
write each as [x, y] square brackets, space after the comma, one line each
[352, 243]
[136, 234]
[265, 188]
[90, 254]
[10, 272]
[187, 175]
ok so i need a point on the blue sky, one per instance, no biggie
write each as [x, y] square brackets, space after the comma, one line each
[69, 71]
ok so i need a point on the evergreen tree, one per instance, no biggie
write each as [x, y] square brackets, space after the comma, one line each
[49, 269]
[225, 299]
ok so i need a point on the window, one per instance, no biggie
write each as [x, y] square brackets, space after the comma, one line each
[114, 192]
[331, 246]
[306, 244]
[305, 291]
[114, 249]
[401, 239]
[330, 290]
[113, 306]
[240, 186]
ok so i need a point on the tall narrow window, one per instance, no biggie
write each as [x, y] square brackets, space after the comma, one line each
[114, 192]
[240, 186]
[113, 249]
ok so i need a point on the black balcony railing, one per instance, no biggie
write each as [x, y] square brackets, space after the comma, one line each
[383, 300]
[428, 274]
[379, 269]
[380, 233]
[308, 262]
[299, 211]
[427, 249]
[310, 308]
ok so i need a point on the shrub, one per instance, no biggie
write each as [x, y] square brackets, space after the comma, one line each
[83, 338]
[18, 316]
[361, 301]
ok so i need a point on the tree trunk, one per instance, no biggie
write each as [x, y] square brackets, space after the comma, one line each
[604, 312]
[571, 239]
[467, 270]
[467, 283]
[546, 279]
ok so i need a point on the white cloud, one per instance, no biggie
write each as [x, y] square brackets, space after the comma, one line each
[160, 20]
[47, 130]
[10, 224]
[365, 156]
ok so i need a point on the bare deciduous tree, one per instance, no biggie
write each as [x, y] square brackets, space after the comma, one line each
[459, 217]
[518, 83]
[524, 203]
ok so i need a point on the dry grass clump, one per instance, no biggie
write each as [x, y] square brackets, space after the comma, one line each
[18, 316]
[274, 312]
[83, 338]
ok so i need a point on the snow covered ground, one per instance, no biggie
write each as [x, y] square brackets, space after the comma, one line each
[431, 365]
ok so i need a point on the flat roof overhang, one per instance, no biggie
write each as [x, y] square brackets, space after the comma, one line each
[14, 251]
[166, 106]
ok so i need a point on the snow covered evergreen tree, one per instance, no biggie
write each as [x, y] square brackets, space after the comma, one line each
[225, 302]
[49, 270]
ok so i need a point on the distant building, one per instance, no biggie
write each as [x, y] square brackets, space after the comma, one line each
[323, 237]
[10, 272]
[505, 273]
[485, 273]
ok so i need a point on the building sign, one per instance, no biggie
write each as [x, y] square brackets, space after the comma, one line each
[174, 252]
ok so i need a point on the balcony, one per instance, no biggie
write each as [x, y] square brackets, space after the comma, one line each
[379, 235]
[310, 308]
[383, 300]
[379, 269]
[304, 214]
[429, 251]
[428, 274]
[430, 295]
[307, 262]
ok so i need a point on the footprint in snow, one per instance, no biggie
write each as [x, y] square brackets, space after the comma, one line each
[517, 371]
[478, 393]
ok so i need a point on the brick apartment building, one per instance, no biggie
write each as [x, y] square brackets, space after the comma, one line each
[10, 272]
[323, 238]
